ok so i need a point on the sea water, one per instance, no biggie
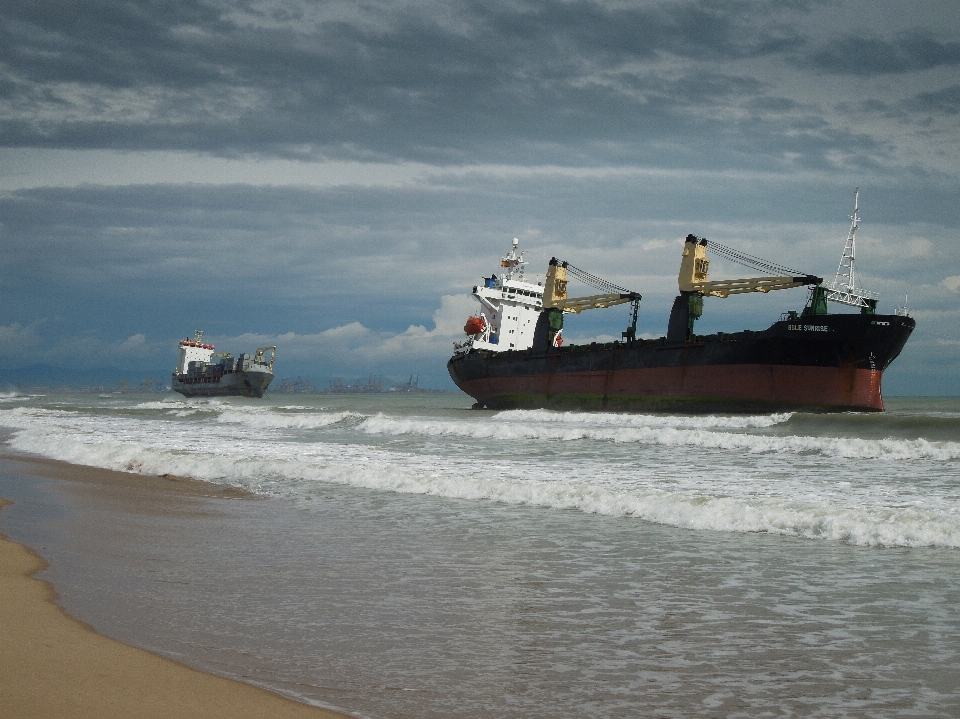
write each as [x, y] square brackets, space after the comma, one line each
[412, 557]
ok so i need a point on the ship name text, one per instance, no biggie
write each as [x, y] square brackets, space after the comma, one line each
[808, 328]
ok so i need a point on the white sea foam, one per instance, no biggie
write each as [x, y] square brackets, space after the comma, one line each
[747, 477]
[282, 420]
[545, 416]
[28, 416]
[850, 448]
[19, 395]
[294, 408]
[295, 471]
[162, 404]
[182, 407]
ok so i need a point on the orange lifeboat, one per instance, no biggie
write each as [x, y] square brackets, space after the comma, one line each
[474, 326]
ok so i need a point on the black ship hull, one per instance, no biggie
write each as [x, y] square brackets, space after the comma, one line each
[817, 363]
[246, 383]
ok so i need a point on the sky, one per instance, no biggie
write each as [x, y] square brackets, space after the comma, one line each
[334, 178]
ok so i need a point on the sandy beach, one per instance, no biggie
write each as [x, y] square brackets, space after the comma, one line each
[52, 665]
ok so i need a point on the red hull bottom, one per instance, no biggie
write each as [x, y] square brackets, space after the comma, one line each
[735, 387]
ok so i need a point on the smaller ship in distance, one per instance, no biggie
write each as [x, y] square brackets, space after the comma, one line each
[201, 373]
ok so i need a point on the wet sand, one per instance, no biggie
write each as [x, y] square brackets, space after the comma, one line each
[52, 665]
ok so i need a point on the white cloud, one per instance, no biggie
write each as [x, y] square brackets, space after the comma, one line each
[91, 350]
[354, 343]
[23, 345]
[15, 338]
[952, 283]
[22, 168]
[25, 168]
[351, 345]
[134, 344]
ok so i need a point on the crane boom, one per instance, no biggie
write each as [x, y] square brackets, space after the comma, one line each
[555, 292]
[725, 288]
[694, 272]
[591, 302]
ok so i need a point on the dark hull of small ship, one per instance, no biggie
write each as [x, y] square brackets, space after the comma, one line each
[817, 363]
[230, 384]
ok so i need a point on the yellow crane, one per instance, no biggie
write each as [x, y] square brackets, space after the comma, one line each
[555, 290]
[695, 284]
[694, 271]
[555, 301]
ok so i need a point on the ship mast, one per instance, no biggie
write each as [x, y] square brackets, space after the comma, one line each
[844, 288]
[512, 263]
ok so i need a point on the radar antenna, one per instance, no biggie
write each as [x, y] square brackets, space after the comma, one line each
[844, 288]
[512, 263]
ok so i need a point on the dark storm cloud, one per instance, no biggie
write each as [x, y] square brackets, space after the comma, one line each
[116, 44]
[528, 82]
[860, 55]
[299, 258]
[111, 44]
[497, 80]
[942, 102]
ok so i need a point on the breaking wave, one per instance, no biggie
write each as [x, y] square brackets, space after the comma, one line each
[286, 420]
[162, 404]
[298, 472]
[873, 480]
[643, 420]
[661, 432]
[23, 416]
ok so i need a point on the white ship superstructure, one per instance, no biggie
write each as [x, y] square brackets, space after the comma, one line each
[510, 306]
[193, 351]
[201, 373]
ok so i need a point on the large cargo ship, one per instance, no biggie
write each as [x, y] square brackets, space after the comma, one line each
[201, 373]
[812, 360]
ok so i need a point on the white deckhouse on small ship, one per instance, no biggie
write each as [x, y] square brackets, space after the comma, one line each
[201, 373]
